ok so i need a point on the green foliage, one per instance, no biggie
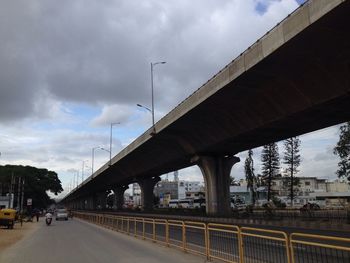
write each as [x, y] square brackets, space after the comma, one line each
[342, 149]
[233, 181]
[270, 165]
[250, 175]
[291, 155]
[278, 203]
[37, 183]
[292, 159]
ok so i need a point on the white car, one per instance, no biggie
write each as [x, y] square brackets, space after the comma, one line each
[61, 214]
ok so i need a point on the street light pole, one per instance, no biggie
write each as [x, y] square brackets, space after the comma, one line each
[110, 142]
[82, 171]
[152, 65]
[93, 158]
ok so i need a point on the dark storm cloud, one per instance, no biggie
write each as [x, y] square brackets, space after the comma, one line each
[99, 52]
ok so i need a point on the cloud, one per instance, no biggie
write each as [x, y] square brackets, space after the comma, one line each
[69, 69]
[101, 52]
[113, 114]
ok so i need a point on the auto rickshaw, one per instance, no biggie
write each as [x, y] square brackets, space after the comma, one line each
[7, 217]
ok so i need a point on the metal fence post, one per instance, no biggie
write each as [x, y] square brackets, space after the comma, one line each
[128, 226]
[167, 233]
[154, 231]
[183, 236]
[207, 244]
[143, 228]
[240, 245]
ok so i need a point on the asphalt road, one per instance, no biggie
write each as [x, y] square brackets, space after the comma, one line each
[76, 241]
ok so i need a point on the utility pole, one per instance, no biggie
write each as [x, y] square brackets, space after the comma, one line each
[10, 191]
[22, 196]
[19, 193]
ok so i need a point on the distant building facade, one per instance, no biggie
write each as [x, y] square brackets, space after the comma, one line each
[313, 190]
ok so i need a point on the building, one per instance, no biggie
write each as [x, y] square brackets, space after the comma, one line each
[5, 201]
[313, 190]
[195, 195]
[166, 190]
[136, 195]
[337, 186]
[240, 193]
[188, 186]
[166, 187]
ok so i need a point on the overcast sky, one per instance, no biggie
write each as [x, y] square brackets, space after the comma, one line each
[70, 68]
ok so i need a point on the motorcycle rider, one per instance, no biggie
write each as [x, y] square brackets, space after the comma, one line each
[48, 216]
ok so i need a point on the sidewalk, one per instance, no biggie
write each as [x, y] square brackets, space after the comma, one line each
[11, 236]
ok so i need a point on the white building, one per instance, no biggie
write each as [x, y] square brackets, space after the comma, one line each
[4, 201]
[188, 186]
[313, 190]
[136, 194]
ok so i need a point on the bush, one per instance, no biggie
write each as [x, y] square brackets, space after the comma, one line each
[278, 203]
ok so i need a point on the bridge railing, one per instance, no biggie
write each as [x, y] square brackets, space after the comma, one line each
[229, 243]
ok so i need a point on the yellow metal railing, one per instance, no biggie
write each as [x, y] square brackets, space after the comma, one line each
[327, 248]
[264, 245]
[224, 234]
[229, 243]
[195, 237]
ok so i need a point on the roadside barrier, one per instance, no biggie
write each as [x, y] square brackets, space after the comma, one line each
[319, 249]
[229, 243]
[224, 242]
[176, 234]
[263, 245]
[195, 238]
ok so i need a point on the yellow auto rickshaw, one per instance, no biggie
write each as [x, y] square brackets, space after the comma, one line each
[7, 217]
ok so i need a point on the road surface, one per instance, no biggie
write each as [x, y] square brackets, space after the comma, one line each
[76, 241]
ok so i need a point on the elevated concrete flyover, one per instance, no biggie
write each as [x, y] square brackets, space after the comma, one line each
[293, 80]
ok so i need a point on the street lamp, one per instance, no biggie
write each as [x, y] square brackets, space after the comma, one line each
[82, 171]
[103, 149]
[77, 179]
[141, 106]
[93, 158]
[153, 65]
[110, 143]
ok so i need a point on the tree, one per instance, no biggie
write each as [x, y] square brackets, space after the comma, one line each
[342, 149]
[270, 165]
[233, 181]
[250, 176]
[37, 183]
[292, 159]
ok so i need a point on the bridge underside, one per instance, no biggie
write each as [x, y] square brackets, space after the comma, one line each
[301, 87]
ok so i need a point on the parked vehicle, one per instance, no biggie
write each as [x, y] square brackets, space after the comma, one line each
[62, 214]
[7, 218]
[238, 203]
[199, 202]
[186, 203]
[173, 203]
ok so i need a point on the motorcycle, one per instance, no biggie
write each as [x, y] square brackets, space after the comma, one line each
[48, 219]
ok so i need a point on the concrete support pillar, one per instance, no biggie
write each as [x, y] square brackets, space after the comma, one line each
[216, 172]
[89, 203]
[118, 201]
[102, 200]
[94, 201]
[147, 186]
